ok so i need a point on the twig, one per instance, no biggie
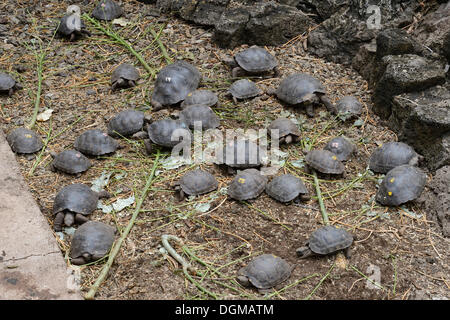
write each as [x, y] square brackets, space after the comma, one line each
[160, 44]
[115, 250]
[320, 199]
[320, 283]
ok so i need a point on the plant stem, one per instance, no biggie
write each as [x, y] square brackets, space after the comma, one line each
[320, 199]
[160, 44]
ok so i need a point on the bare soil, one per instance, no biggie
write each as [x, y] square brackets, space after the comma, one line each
[402, 245]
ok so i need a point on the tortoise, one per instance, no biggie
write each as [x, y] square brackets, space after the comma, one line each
[173, 83]
[247, 184]
[95, 143]
[348, 107]
[324, 161]
[8, 85]
[73, 203]
[253, 61]
[303, 89]
[23, 140]
[166, 133]
[201, 97]
[241, 154]
[127, 123]
[107, 10]
[392, 154]
[196, 182]
[71, 24]
[341, 147]
[244, 89]
[91, 242]
[286, 188]
[202, 115]
[124, 76]
[70, 161]
[264, 272]
[288, 131]
[326, 240]
[400, 185]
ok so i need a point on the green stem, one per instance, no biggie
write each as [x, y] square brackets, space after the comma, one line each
[160, 44]
[319, 197]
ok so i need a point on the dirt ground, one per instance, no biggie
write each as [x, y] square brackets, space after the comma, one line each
[401, 247]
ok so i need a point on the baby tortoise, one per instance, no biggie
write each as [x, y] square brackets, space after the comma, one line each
[264, 272]
[173, 83]
[244, 89]
[8, 85]
[288, 131]
[325, 161]
[301, 89]
[201, 97]
[286, 188]
[24, 141]
[124, 76]
[91, 242]
[167, 133]
[326, 240]
[201, 115]
[195, 182]
[71, 24]
[70, 161]
[128, 123]
[241, 154]
[348, 107]
[252, 62]
[400, 185]
[107, 10]
[391, 155]
[73, 203]
[248, 184]
[341, 147]
[95, 143]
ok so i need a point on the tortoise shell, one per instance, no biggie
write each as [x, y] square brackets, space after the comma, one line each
[266, 271]
[174, 82]
[95, 143]
[341, 147]
[23, 140]
[107, 10]
[200, 113]
[256, 60]
[285, 127]
[244, 89]
[126, 123]
[77, 198]
[125, 71]
[71, 161]
[391, 155]
[71, 22]
[286, 188]
[6, 82]
[201, 97]
[247, 184]
[325, 161]
[94, 238]
[349, 107]
[329, 239]
[198, 182]
[400, 185]
[160, 132]
[241, 154]
[295, 88]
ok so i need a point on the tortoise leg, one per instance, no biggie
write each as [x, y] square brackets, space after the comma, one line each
[276, 72]
[148, 146]
[80, 219]
[330, 107]
[303, 252]
[235, 72]
[59, 219]
[10, 92]
[69, 219]
[78, 261]
[310, 110]
[348, 252]
[131, 83]
[235, 100]
[72, 36]
[156, 105]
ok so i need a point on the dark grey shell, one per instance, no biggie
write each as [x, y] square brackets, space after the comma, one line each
[95, 143]
[125, 71]
[266, 271]
[285, 127]
[247, 184]
[324, 161]
[23, 140]
[78, 198]
[198, 182]
[161, 131]
[202, 97]
[285, 188]
[349, 106]
[6, 82]
[199, 113]
[67, 25]
[174, 82]
[256, 60]
[401, 184]
[71, 161]
[241, 154]
[341, 147]
[244, 89]
[391, 155]
[107, 10]
[329, 239]
[295, 87]
[126, 123]
[94, 238]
